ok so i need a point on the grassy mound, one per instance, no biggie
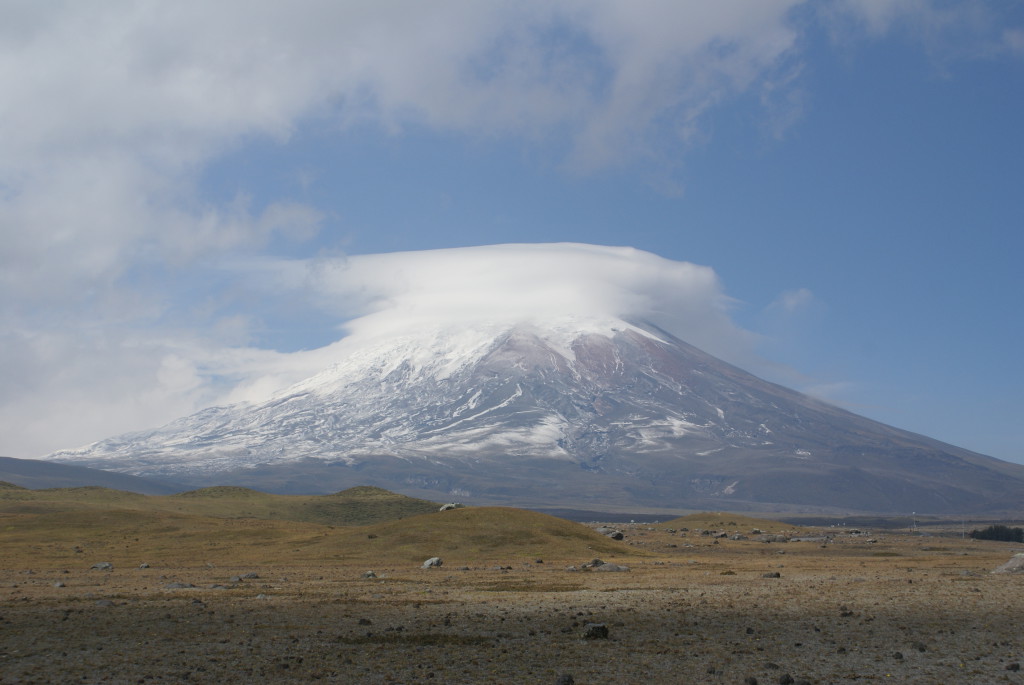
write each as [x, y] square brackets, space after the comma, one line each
[727, 522]
[477, 535]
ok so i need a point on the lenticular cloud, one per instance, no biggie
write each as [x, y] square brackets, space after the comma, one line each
[531, 282]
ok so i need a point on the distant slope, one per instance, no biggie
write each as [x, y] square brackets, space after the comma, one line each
[356, 506]
[35, 474]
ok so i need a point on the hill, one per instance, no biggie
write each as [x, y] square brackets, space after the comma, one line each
[725, 521]
[235, 526]
[478, 534]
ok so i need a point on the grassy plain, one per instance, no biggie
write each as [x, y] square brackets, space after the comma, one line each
[509, 604]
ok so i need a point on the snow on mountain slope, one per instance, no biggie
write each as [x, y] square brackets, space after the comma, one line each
[445, 390]
[555, 410]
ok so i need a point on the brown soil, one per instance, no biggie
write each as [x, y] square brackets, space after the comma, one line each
[692, 609]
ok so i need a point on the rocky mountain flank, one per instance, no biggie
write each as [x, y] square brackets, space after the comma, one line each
[606, 416]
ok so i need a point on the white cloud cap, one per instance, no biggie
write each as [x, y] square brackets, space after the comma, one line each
[394, 292]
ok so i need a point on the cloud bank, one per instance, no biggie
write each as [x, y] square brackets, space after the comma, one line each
[399, 291]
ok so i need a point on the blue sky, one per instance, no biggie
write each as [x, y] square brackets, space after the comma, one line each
[850, 170]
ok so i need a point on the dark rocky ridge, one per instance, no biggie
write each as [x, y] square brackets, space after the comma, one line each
[35, 474]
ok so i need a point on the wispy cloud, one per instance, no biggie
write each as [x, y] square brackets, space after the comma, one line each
[793, 301]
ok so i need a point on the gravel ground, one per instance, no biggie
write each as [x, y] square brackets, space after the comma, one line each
[698, 614]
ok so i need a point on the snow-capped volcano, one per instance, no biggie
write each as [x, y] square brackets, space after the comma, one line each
[590, 411]
[521, 389]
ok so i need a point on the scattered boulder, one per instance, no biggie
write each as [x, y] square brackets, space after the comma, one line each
[369, 574]
[773, 574]
[595, 631]
[1014, 565]
[58, 584]
[772, 537]
[432, 562]
[103, 566]
[598, 565]
[104, 603]
[611, 568]
[565, 679]
[613, 533]
[178, 586]
[143, 565]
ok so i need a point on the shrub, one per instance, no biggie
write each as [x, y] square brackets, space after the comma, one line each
[999, 532]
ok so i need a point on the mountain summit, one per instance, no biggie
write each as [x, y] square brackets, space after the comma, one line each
[570, 412]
